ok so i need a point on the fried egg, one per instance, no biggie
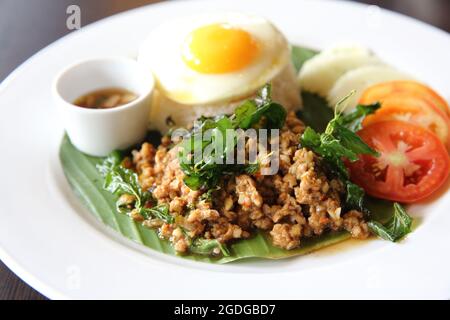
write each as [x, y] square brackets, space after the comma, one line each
[214, 61]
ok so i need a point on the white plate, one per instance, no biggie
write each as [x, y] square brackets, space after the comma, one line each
[55, 245]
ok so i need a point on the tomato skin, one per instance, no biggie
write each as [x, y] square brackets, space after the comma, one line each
[413, 162]
[416, 110]
[383, 90]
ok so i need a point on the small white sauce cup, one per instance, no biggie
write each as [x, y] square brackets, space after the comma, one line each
[97, 132]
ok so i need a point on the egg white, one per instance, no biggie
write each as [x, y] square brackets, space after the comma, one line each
[161, 52]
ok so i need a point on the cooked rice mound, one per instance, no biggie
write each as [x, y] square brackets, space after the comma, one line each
[298, 202]
[284, 91]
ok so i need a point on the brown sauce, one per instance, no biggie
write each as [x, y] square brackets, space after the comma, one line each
[105, 98]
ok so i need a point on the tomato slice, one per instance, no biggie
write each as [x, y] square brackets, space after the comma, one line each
[413, 109]
[380, 91]
[413, 163]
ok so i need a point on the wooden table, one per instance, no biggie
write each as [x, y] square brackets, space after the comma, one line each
[27, 26]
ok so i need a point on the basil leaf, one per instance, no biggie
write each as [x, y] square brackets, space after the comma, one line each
[160, 212]
[351, 141]
[339, 142]
[354, 120]
[251, 112]
[275, 116]
[396, 228]
[207, 247]
[244, 114]
[310, 138]
[251, 168]
[355, 197]
[112, 160]
[122, 181]
[301, 55]
[204, 170]
[333, 147]
[192, 180]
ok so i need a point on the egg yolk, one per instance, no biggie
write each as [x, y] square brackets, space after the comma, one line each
[219, 48]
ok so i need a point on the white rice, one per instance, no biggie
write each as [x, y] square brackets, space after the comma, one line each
[285, 91]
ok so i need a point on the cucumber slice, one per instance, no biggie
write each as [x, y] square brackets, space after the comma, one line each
[319, 74]
[359, 79]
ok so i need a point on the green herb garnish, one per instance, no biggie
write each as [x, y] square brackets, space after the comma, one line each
[251, 112]
[353, 120]
[160, 212]
[214, 140]
[122, 181]
[339, 142]
[204, 246]
[396, 228]
[207, 247]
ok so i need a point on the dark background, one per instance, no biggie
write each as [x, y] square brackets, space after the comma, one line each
[28, 26]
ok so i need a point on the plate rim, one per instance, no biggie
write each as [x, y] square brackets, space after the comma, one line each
[7, 257]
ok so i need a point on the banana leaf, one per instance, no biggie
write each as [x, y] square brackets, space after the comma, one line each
[86, 182]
